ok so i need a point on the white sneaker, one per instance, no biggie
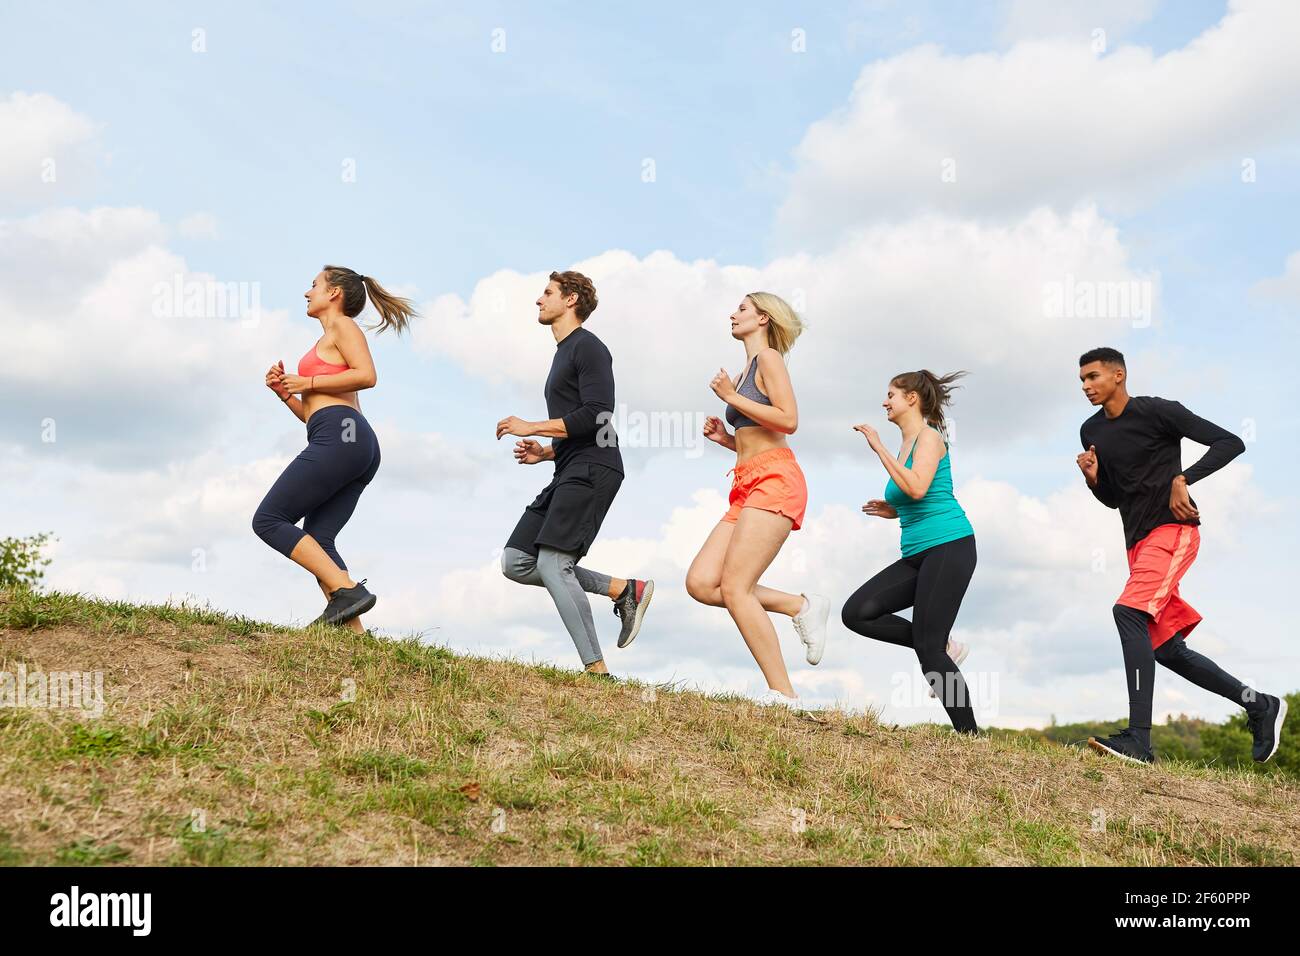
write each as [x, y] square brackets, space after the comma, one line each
[774, 698]
[811, 626]
[958, 652]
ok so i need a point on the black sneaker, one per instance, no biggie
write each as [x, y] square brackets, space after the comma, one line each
[347, 603]
[630, 606]
[1266, 727]
[1123, 745]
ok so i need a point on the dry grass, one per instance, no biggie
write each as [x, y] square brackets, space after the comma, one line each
[446, 759]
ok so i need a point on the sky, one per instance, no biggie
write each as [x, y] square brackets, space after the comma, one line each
[920, 179]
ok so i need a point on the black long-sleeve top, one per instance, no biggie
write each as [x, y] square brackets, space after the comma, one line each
[1139, 455]
[580, 390]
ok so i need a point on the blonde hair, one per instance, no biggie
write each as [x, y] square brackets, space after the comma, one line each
[783, 323]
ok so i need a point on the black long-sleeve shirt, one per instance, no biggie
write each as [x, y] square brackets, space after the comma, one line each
[1139, 455]
[579, 388]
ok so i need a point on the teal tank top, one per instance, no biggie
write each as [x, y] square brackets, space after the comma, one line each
[937, 517]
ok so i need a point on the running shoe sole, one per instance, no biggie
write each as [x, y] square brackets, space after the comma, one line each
[640, 613]
[1101, 748]
[813, 653]
[1277, 728]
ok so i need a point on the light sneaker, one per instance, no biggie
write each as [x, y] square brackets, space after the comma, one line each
[774, 698]
[958, 652]
[811, 626]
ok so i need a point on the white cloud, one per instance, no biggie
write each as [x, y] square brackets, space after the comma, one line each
[164, 514]
[128, 371]
[424, 461]
[1047, 121]
[50, 259]
[45, 146]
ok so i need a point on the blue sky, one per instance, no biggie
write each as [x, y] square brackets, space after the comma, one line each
[470, 162]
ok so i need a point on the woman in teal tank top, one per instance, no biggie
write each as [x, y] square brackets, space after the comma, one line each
[938, 544]
[934, 519]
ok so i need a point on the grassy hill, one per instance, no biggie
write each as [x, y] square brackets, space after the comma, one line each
[229, 741]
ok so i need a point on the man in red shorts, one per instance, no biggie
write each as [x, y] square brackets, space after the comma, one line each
[1132, 461]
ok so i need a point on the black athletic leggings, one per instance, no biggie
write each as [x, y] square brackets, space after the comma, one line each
[1140, 666]
[322, 484]
[932, 582]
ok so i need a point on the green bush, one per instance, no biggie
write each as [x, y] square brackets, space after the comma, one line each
[21, 563]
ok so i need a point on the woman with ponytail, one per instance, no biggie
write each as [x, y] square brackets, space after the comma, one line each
[938, 543]
[322, 485]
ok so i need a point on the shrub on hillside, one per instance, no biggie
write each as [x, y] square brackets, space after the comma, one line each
[21, 562]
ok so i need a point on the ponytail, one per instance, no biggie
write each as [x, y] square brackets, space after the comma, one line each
[394, 311]
[935, 392]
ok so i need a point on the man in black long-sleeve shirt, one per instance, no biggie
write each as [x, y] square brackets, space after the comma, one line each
[1132, 460]
[558, 528]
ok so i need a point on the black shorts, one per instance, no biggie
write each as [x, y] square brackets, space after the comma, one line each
[569, 511]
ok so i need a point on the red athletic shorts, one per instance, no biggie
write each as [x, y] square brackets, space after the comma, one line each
[1155, 566]
[773, 481]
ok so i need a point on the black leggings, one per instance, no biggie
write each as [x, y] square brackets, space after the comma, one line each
[932, 582]
[322, 484]
[1140, 666]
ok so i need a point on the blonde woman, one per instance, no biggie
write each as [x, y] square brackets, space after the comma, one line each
[768, 496]
[322, 485]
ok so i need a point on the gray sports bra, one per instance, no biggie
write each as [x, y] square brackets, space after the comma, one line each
[748, 388]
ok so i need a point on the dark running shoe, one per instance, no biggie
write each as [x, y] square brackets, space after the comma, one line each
[630, 606]
[347, 603]
[1123, 745]
[1266, 727]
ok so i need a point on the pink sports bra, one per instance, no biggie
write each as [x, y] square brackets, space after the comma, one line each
[312, 364]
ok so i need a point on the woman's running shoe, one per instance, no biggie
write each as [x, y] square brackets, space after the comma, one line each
[810, 625]
[774, 698]
[347, 603]
[630, 607]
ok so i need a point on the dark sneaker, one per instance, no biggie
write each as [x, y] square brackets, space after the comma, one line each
[347, 603]
[1266, 727]
[630, 606]
[1123, 745]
